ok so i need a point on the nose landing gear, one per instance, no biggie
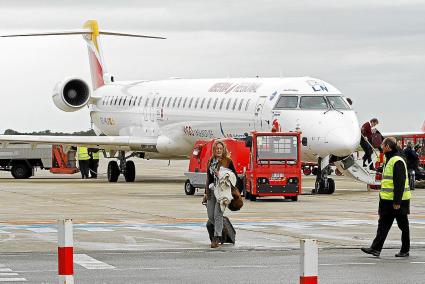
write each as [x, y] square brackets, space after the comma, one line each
[323, 184]
[127, 168]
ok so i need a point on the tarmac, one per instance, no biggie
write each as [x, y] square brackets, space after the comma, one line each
[154, 216]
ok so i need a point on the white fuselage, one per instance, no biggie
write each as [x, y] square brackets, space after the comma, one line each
[179, 112]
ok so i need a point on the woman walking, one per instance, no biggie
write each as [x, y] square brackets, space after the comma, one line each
[220, 158]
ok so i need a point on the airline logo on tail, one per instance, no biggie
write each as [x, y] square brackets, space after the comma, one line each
[95, 55]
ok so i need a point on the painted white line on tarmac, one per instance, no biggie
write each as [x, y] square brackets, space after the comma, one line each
[5, 270]
[95, 229]
[348, 263]
[90, 263]
[12, 279]
[4, 232]
[8, 274]
[42, 230]
[418, 262]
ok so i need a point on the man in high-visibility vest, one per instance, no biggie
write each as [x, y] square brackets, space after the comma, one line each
[93, 162]
[83, 161]
[394, 200]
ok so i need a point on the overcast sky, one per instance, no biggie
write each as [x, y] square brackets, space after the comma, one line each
[373, 51]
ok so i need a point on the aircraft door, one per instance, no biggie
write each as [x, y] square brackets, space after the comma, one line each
[258, 113]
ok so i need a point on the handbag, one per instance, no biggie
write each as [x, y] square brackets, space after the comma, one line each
[237, 201]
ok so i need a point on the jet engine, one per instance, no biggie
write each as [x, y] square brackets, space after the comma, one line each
[71, 94]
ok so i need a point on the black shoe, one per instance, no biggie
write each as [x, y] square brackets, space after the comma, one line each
[402, 254]
[371, 251]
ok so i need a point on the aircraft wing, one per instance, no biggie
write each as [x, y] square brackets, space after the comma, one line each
[103, 142]
[407, 133]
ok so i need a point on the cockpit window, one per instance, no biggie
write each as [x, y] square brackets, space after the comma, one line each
[313, 102]
[287, 102]
[338, 102]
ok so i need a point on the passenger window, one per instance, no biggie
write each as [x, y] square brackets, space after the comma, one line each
[174, 102]
[169, 101]
[159, 101]
[131, 99]
[125, 98]
[215, 103]
[196, 103]
[119, 103]
[112, 100]
[240, 104]
[202, 104]
[190, 102]
[247, 104]
[234, 104]
[134, 102]
[209, 102]
[287, 102]
[146, 102]
[140, 100]
[180, 100]
[184, 102]
[228, 103]
[338, 102]
[313, 102]
[221, 103]
[153, 102]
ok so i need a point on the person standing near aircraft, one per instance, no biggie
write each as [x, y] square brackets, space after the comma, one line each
[366, 140]
[394, 200]
[93, 162]
[83, 161]
[220, 158]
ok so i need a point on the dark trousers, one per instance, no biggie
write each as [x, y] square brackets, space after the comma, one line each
[367, 151]
[93, 165]
[384, 225]
[84, 168]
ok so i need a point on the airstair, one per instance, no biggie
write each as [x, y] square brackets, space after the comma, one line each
[352, 166]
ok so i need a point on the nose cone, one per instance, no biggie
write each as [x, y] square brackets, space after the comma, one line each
[343, 141]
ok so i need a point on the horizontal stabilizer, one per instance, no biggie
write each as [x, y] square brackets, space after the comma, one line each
[81, 32]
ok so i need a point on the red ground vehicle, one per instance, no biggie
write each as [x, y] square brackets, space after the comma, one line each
[269, 163]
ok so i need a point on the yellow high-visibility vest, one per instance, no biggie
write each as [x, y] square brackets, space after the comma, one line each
[95, 155]
[83, 154]
[387, 183]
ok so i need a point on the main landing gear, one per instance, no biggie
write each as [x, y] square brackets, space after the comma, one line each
[323, 184]
[125, 167]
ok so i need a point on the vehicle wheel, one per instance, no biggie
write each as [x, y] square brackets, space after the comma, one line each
[307, 171]
[252, 197]
[331, 186]
[130, 171]
[113, 171]
[188, 188]
[294, 198]
[21, 171]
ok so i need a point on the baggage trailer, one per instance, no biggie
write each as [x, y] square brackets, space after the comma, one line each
[268, 163]
[22, 160]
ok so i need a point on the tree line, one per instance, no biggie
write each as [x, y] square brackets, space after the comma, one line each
[49, 132]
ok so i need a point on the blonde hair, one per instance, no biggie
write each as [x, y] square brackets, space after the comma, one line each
[225, 154]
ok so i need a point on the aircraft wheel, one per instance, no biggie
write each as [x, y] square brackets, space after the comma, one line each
[130, 171]
[331, 186]
[294, 198]
[113, 171]
[188, 188]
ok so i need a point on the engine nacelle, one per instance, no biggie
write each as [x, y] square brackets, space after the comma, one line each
[71, 94]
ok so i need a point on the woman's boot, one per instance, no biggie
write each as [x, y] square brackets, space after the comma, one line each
[215, 242]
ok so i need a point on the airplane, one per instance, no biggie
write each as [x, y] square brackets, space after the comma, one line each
[162, 119]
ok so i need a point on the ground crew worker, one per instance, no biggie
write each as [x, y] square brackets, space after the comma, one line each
[394, 200]
[93, 162]
[83, 161]
[366, 140]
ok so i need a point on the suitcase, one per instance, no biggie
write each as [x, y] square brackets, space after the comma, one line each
[228, 234]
